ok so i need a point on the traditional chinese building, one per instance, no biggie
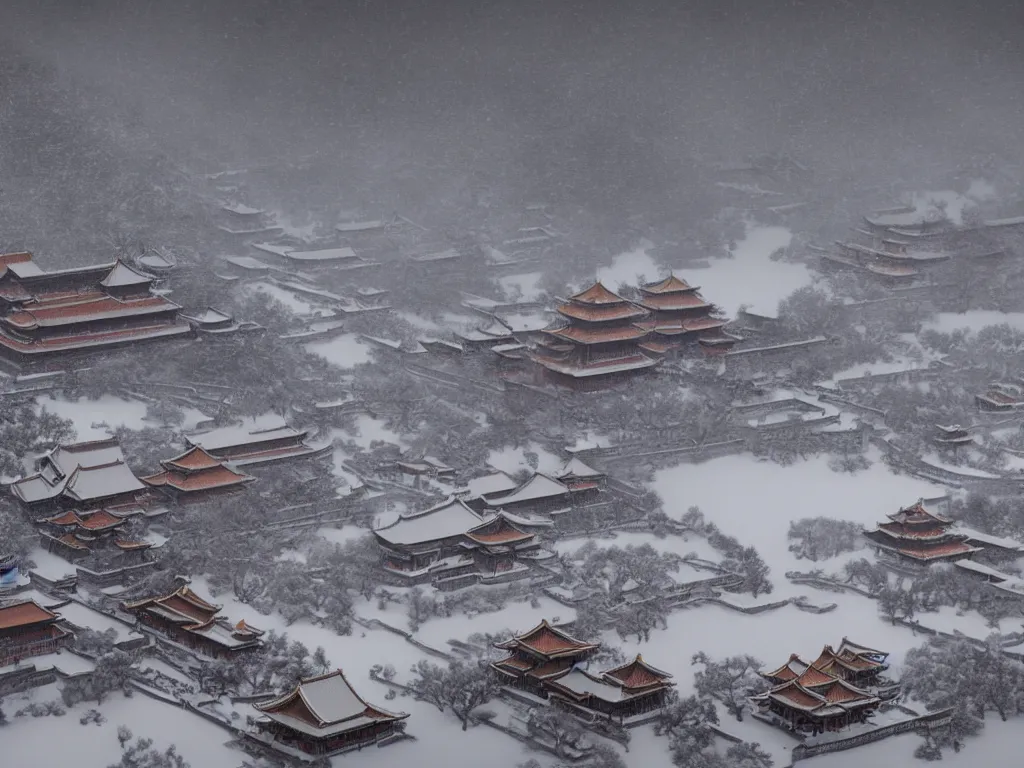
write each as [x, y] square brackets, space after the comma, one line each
[213, 323]
[597, 343]
[195, 475]
[479, 489]
[417, 471]
[324, 716]
[1001, 396]
[913, 534]
[254, 444]
[242, 220]
[909, 222]
[857, 664]
[633, 689]
[47, 316]
[542, 654]
[953, 436]
[75, 535]
[80, 476]
[578, 477]
[539, 493]
[186, 618]
[815, 702]
[678, 314]
[27, 629]
[450, 545]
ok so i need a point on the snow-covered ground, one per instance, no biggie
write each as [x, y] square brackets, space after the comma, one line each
[755, 501]
[96, 419]
[974, 320]
[289, 298]
[750, 277]
[437, 736]
[344, 351]
[62, 741]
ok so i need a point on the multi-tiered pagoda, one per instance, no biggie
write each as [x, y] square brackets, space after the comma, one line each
[816, 702]
[47, 315]
[680, 314]
[914, 534]
[75, 535]
[597, 342]
[544, 653]
[195, 475]
[838, 689]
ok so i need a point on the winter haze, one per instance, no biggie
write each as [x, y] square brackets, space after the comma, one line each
[556, 370]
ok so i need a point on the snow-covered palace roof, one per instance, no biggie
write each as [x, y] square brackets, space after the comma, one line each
[536, 488]
[448, 519]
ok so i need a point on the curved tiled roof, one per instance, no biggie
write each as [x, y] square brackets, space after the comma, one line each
[670, 284]
[597, 294]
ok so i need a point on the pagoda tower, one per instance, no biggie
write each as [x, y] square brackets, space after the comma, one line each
[597, 341]
[914, 534]
[678, 314]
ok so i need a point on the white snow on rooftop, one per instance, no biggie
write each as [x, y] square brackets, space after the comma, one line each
[496, 482]
[122, 275]
[512, 460]
[326, 254]
[250, 430]
[536, 488]
[360, 226]
[247, 262]
[450, 518]
[241, 209]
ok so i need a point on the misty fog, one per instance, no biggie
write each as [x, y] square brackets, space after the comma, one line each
[515, 383]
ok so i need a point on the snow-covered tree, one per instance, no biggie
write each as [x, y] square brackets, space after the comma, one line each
[819, 538]
[731, 680]
[461, 687]
[141, 754]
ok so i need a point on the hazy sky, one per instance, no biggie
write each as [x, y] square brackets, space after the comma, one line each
[536, 81]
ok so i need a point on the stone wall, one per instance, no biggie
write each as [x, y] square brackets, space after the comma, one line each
[925, 722]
